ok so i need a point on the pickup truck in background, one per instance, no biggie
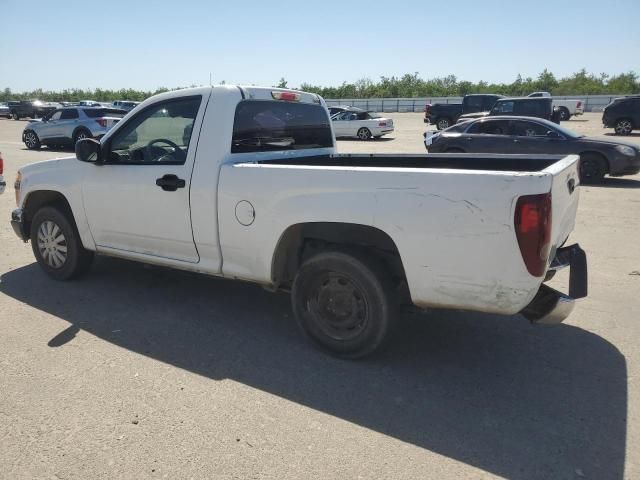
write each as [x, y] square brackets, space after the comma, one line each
[522, 106]
[567, 108]
[30, 108]
[245, 183]
[443, 115]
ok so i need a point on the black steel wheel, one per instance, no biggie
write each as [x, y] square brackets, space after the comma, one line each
[343, 303]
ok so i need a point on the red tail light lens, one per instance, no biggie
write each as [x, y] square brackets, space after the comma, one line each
[102, 122]
[427, 108]
[382, 124]
[579, 104]
[286, 96]
[533, 229]
[1, 164]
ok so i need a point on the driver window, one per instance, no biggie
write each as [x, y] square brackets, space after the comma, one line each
[159, 134]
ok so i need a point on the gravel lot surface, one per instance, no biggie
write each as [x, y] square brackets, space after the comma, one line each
[140, 372]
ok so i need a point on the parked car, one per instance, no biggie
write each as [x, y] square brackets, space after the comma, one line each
[521, 106]
[30, 108]
[598, 157]
[339, 109]
[360, 124]
[89, 103]
[443, 115]
[125, 105]
[567, 108]
[66, 126]
[337, 231]
[4, 110]
[3, 184]
[623, 115]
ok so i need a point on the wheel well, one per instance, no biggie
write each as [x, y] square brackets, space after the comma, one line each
[597, 154]
[36, 200]
[633, 124]
[303, 240]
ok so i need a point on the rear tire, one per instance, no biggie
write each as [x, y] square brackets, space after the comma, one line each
[624, 126]
[592, 168]
[56, 245]
[364, 133]
[15, 116]
[343, 303]
[564, 114]
[81, 134]
[31, 140]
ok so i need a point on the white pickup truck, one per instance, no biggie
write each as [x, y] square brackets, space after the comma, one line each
[245, 183]
[568, 108]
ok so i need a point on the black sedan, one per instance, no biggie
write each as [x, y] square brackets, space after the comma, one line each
[598, 157]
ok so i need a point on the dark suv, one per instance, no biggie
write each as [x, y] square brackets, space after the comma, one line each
[623, 115]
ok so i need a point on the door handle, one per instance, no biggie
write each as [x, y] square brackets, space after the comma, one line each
[515, 140]
[469, 138]
[170, 183]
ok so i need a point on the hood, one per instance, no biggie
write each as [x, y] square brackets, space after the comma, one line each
[53, 163]
[606, 141]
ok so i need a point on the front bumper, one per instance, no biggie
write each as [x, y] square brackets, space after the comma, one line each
[18, 224]
[623, 165]
[550, 306]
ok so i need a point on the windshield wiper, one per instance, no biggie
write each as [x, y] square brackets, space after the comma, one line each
[266, 141]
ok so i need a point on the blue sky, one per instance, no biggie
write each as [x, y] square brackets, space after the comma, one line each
[144, 45]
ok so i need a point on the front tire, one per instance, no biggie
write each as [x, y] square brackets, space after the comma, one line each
[364, 133]
[343, 303]
[56, 245]
[592, 168]
[443, 123]
[31, 140]
[15, 116]
[623, 127]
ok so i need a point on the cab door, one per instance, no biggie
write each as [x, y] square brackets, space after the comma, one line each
[137, 201]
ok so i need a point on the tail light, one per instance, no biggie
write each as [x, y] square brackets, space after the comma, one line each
[287, 96]
[579, 104]
[102, 122]
[382, 124]
[427, 108]
[533, 229]
[1, 164]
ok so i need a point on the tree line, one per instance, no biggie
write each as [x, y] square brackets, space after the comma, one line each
[409, 85]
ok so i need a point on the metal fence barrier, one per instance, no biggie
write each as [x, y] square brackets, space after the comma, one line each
[593, 103]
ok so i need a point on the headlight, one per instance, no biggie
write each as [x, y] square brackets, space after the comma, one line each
[16, 185]
[625, 150]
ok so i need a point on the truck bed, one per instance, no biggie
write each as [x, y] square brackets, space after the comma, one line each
[477, 161]
[450, 216]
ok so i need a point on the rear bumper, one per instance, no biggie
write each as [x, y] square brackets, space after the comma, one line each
[17, 222]
[550, 306]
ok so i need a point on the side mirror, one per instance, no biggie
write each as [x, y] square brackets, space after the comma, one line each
[89, 150]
